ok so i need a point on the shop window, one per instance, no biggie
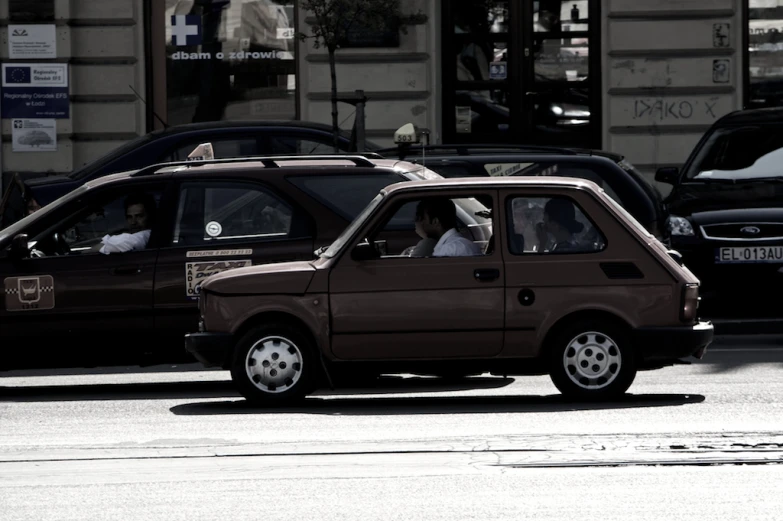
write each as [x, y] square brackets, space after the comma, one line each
[765, 53]
[230, 60]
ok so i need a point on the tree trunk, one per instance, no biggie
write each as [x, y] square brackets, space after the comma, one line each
[335, 125]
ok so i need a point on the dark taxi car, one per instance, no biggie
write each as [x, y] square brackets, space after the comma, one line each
[726, 218]
[229, 139]
[569, 284]
[68, 304]
[611, 171]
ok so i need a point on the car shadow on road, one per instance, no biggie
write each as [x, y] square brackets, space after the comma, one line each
[334, 403]
[225, 389]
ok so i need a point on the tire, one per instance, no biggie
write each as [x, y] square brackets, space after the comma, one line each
[274, 364]
[592, 360]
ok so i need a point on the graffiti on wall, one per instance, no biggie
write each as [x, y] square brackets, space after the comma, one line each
[673, 109]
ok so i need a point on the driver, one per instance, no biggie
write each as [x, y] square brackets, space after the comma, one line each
[140, 212]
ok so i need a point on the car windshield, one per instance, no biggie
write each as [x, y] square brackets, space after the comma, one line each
[739, 154]
[21, 224]
[338, 244]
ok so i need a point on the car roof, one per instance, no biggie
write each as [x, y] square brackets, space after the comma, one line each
[752, 116]
[244, 123]
[272, 165]
[469, 151]
[495, 182]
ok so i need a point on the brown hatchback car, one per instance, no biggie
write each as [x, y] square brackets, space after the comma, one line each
[568, 284]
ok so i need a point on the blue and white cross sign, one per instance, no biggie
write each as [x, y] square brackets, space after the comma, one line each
[186, 30]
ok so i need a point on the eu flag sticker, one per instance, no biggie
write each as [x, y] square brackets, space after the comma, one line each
[17, 75]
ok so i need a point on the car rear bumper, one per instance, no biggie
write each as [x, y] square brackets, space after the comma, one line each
[657, 344]
[211, 349]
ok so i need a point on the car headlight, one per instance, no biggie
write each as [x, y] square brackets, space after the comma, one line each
[680, 226]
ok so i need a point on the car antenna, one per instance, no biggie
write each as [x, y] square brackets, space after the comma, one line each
[165, 125]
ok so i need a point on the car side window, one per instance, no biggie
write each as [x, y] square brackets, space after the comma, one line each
[222, 148]
[112, 225]
[550, 225]
[442, 227]
[210, 213]
[293, 145]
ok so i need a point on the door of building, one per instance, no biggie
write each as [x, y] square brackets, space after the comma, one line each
[521, 71]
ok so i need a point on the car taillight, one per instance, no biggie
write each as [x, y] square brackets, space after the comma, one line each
[690, 302]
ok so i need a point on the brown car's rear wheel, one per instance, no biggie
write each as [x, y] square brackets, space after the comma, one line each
[592, 360]
[274, 364]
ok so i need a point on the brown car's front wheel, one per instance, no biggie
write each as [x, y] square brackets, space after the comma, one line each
[274, 365]
[592, 360]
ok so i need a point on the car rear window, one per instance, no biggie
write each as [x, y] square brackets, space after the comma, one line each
[346, 195]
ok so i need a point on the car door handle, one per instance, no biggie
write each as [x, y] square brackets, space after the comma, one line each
[486, 275]
[125, 270]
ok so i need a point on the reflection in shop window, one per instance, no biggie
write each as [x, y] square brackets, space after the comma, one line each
[230, 60]
[554, 16]
[766, 53]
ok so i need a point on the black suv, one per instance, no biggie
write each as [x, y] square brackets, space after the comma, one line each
[229, 139]
[611, 171]
[726, 210]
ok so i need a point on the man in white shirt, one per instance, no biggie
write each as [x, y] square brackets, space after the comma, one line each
[436, 218]
[139, 215]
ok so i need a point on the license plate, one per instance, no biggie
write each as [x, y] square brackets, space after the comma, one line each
[749, 254]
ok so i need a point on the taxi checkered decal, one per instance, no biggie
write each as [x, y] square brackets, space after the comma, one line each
[29, 293]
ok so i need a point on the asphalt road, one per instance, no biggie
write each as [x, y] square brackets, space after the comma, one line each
[702, 441]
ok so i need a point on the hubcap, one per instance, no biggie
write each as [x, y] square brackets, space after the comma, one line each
[592, 360]
[274, 364]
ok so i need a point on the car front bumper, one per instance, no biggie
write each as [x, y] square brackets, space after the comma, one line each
[661, 344]
[211, 349]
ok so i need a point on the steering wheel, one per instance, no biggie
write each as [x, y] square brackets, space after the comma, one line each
[61, 245]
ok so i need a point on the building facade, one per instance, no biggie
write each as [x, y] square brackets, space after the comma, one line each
[644, 78]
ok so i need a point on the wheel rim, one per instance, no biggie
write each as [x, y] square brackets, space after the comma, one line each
[274, 364]
[592, 360]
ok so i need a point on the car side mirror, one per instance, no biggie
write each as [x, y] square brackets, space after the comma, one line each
[668, 175]
[19, 247]
[365, 251]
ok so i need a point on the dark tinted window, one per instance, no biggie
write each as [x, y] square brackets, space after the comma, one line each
[577, 171]
[294, 145]
[731, 149]
[223, 148]
[346, 195]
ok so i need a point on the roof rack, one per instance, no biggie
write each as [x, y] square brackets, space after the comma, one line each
[267, 161]
[470, 149]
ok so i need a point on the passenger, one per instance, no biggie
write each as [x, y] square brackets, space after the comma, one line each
[561, 224]
[436, 219]
[140, 210]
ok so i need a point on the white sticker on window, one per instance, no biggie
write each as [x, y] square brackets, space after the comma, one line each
[213, 228]
[197, 272]
[217, 253]
[502, 169]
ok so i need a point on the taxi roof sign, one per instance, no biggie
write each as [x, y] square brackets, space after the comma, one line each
[203, 152]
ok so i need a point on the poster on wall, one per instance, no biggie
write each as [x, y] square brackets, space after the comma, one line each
[34, 135]
[32, 42]
[35, 90]
[230, 60]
